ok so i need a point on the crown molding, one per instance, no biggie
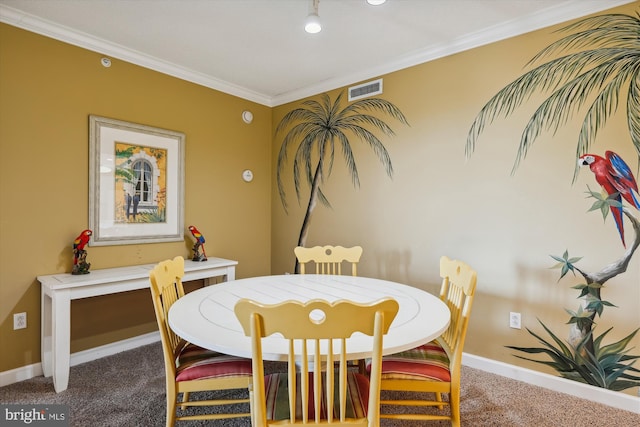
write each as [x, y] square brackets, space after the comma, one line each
[50, 29]
[563, 12]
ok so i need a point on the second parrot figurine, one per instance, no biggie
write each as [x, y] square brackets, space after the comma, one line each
[197, 256]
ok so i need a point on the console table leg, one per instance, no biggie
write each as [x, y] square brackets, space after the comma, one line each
[61, 340]
[229, 274]
[46, 356]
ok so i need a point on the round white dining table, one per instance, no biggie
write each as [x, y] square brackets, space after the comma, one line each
[205, 317]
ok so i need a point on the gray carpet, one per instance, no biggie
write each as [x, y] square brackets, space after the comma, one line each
[127, 389]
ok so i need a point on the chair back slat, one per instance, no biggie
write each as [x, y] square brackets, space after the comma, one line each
[166, 289]
[328, 259]
[318, 333]
[457, 291]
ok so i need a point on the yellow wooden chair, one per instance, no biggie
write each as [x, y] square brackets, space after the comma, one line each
[435, 367]
[189, 368]
[328, 259]
[317, 333]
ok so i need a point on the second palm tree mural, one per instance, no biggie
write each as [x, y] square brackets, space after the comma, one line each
[321, 127]
[592, 67]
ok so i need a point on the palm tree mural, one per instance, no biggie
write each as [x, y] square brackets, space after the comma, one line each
[593, 67]
[599, 62]
[320, 128]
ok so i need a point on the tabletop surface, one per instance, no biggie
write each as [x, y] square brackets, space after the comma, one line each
[205, 317]
[67, 280]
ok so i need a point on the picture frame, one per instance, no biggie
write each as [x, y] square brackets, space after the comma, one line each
[136, 183]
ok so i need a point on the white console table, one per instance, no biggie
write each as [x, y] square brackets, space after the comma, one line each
[58, 290]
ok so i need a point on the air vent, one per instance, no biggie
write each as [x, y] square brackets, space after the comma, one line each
[365, 89]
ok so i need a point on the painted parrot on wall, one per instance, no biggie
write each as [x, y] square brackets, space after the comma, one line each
[616, 178]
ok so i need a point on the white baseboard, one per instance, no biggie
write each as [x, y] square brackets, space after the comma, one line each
[34, 370]
[552, 382]
[20, 374]
[583, 391]
[113, 348]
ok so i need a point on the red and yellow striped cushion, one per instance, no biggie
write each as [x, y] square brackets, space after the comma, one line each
[426, 362]
[197, 363]
[277, 397]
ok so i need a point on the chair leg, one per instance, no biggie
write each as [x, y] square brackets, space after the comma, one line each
[439, 399]
[251, 405]
[185, 398]
[171, 409]
[454, 406]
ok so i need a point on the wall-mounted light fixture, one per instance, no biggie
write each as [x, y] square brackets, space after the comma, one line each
[376, 2]
[312, 23]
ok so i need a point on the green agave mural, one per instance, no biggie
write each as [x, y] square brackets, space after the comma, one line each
[320, 128]
[592, 67]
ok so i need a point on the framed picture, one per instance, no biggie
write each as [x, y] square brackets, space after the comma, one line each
[136, 183]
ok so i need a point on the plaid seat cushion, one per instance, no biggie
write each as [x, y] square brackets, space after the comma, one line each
[277, 397]
[197, 363]
[426, 362]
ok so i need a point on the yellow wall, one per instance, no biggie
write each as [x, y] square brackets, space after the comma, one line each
[438, 203]
[48, 89]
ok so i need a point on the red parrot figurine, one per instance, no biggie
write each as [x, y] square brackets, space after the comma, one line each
[616, 178]
[80, 264]
[79, 244]
[199, 243]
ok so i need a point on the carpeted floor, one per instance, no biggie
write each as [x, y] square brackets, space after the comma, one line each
[127, 390]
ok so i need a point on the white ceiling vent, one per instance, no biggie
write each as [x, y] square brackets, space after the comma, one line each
[366, 89]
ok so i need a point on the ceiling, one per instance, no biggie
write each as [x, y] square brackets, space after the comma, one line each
[258, 49]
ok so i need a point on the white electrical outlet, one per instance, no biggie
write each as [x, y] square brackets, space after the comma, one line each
[19, 321]
[515, 320]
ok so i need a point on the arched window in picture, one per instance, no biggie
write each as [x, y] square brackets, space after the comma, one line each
[143, 176]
